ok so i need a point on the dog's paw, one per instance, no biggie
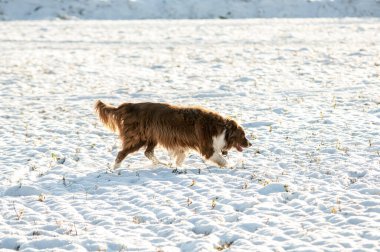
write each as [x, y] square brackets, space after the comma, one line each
[224, 166]
[222, 163]
[159, 163]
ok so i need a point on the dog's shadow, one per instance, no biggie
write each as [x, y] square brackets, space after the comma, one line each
[106, 179]
[127, 176]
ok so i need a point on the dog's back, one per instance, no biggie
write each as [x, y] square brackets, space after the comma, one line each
[169, 126]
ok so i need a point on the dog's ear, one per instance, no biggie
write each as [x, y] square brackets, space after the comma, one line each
[230, 130]
[230, 124]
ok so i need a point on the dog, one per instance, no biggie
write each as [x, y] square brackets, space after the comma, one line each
[178, 129]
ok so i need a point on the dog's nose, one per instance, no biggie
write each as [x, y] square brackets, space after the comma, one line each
[249, 144]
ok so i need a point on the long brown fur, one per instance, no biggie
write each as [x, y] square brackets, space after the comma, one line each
[175, 128]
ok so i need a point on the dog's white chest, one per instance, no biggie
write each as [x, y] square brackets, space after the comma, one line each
[218, 142]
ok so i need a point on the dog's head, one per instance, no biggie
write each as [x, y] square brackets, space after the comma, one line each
[235, 137]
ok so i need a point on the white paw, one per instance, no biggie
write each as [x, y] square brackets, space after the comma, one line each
[223, 163]
[116, 165]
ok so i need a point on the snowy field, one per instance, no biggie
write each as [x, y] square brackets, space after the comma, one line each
[306, 91]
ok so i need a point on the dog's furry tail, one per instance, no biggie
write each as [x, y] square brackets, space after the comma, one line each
[107, 114]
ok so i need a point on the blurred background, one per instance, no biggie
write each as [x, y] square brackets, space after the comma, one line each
[189, 9]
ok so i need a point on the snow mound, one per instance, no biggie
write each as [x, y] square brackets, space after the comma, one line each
[16, 191]
[272, 188]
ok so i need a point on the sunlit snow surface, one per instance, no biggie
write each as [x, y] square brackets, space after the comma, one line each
[306, 91]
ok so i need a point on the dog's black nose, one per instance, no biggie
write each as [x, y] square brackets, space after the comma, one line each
[249, 144]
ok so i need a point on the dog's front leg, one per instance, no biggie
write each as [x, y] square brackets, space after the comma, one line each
[218, 159]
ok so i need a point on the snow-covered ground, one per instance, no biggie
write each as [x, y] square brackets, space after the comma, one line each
[306, 91]
[179, 9]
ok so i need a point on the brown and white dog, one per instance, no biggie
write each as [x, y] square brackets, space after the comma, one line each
[178, 129]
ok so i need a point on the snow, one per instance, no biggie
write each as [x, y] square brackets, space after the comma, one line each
[307, 92]
[190, 9]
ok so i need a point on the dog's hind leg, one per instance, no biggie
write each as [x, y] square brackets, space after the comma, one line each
[125, 151]
[149, 153]
[180, 157]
